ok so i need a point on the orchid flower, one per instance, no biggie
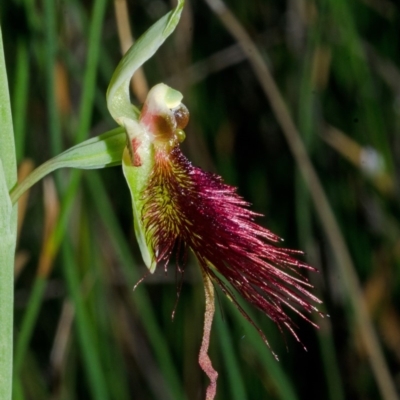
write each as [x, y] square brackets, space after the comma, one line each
[178, 207]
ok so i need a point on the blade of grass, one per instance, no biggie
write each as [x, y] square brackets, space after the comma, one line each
[104, 308]
[356, 69]
[53, 117]
[34, 19]
[18, 393]
[307, 108]
[8, 237]
[8, 231]
[62, 339]
[85, 328]
[325, 339]
[29, 321]
[21, 98]
[39, 286]
[236, 384]
[7, 146]
[91, 71]
[272, 367]
[46, 259]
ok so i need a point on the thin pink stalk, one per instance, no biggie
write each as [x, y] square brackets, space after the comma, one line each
[204, 359]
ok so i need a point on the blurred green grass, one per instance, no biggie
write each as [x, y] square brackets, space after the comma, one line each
[80, 331]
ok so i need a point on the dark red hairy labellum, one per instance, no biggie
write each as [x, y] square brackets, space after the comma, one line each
[185, 207]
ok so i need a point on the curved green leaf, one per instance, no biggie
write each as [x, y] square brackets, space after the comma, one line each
[101, 151]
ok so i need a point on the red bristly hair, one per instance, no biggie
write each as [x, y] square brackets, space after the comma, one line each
[185, 207]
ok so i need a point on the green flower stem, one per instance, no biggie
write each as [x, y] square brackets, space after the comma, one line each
[8, 232]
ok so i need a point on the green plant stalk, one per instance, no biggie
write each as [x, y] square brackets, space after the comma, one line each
[91, 70]
[8, 232]
[35, 21]
[84, 327]
[21, 98]
[7, 248]
[54, 123]
[236, 385]
[357, 70]
[30, 315]
[85, 332]
[36, 297]
[306, 117]
[18, 393]
[283, 385]
[325, 339]
[113, 351]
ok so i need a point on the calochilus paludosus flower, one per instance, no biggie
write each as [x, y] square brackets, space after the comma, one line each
[178, 207]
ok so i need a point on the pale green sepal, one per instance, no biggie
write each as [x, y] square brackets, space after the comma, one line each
[101, 151]
[137, 179]
[118, 99]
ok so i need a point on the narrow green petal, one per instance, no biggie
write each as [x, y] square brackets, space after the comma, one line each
[118, 99]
